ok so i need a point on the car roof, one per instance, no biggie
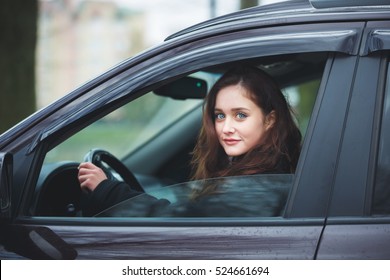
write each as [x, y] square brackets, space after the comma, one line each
[289, 12]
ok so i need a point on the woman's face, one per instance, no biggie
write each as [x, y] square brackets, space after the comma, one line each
[239, 123]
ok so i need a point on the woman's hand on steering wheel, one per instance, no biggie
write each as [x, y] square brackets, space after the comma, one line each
[90, 176]
[97, 157]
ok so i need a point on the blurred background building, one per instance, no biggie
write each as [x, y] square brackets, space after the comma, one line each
[79, 39]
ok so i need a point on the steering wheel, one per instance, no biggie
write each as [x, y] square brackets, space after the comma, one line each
[98, 157]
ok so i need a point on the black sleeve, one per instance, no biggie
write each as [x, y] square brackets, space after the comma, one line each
[106, 194]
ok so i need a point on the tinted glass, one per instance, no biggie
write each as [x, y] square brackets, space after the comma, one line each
[242, 196]
[381, 204]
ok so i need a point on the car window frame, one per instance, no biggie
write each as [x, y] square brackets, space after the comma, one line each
[77, 120]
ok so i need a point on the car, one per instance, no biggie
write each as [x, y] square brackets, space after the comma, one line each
[140, 120]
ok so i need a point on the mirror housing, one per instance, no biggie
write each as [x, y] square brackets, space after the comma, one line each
[6, 174]
[184, 88]
[36, 243]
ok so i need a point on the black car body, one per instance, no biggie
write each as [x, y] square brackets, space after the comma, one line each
[338, 202]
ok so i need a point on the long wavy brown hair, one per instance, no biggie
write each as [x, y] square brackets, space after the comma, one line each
[280, 148]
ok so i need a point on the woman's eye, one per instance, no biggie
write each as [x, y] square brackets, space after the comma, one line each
[219, 116]
[241, 116]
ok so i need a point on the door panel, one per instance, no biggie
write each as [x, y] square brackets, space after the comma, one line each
[369, 239]
[199, 242]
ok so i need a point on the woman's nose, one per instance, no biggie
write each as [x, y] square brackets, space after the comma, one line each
[228, 126]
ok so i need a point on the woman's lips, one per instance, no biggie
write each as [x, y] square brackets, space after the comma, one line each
[231, 142]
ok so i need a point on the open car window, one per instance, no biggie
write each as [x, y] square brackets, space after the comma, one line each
[129, 127]
[154, 136]
[241, 196]
[132, 125]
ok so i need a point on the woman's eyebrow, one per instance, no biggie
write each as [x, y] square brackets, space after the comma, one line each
[240, 109]
[234, 109]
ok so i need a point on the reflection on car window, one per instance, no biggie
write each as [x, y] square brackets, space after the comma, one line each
[241, 196]
[381, 202]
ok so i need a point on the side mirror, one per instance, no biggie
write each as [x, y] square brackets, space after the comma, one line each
[36, 242]
[6, 173]
[33, 242]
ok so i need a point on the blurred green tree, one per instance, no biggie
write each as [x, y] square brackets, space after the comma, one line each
[18, 33]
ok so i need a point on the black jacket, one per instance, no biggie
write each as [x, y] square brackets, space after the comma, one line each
[106, 194]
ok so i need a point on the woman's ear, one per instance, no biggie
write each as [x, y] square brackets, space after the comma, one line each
[270, 120]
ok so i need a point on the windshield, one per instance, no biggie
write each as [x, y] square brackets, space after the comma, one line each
[241, 196]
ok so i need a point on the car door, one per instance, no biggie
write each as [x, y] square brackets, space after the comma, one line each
[295, 235]
[358, 224]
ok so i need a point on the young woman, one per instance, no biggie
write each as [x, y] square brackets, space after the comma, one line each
[247, 129]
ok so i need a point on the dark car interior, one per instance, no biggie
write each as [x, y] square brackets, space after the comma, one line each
[165, 160]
